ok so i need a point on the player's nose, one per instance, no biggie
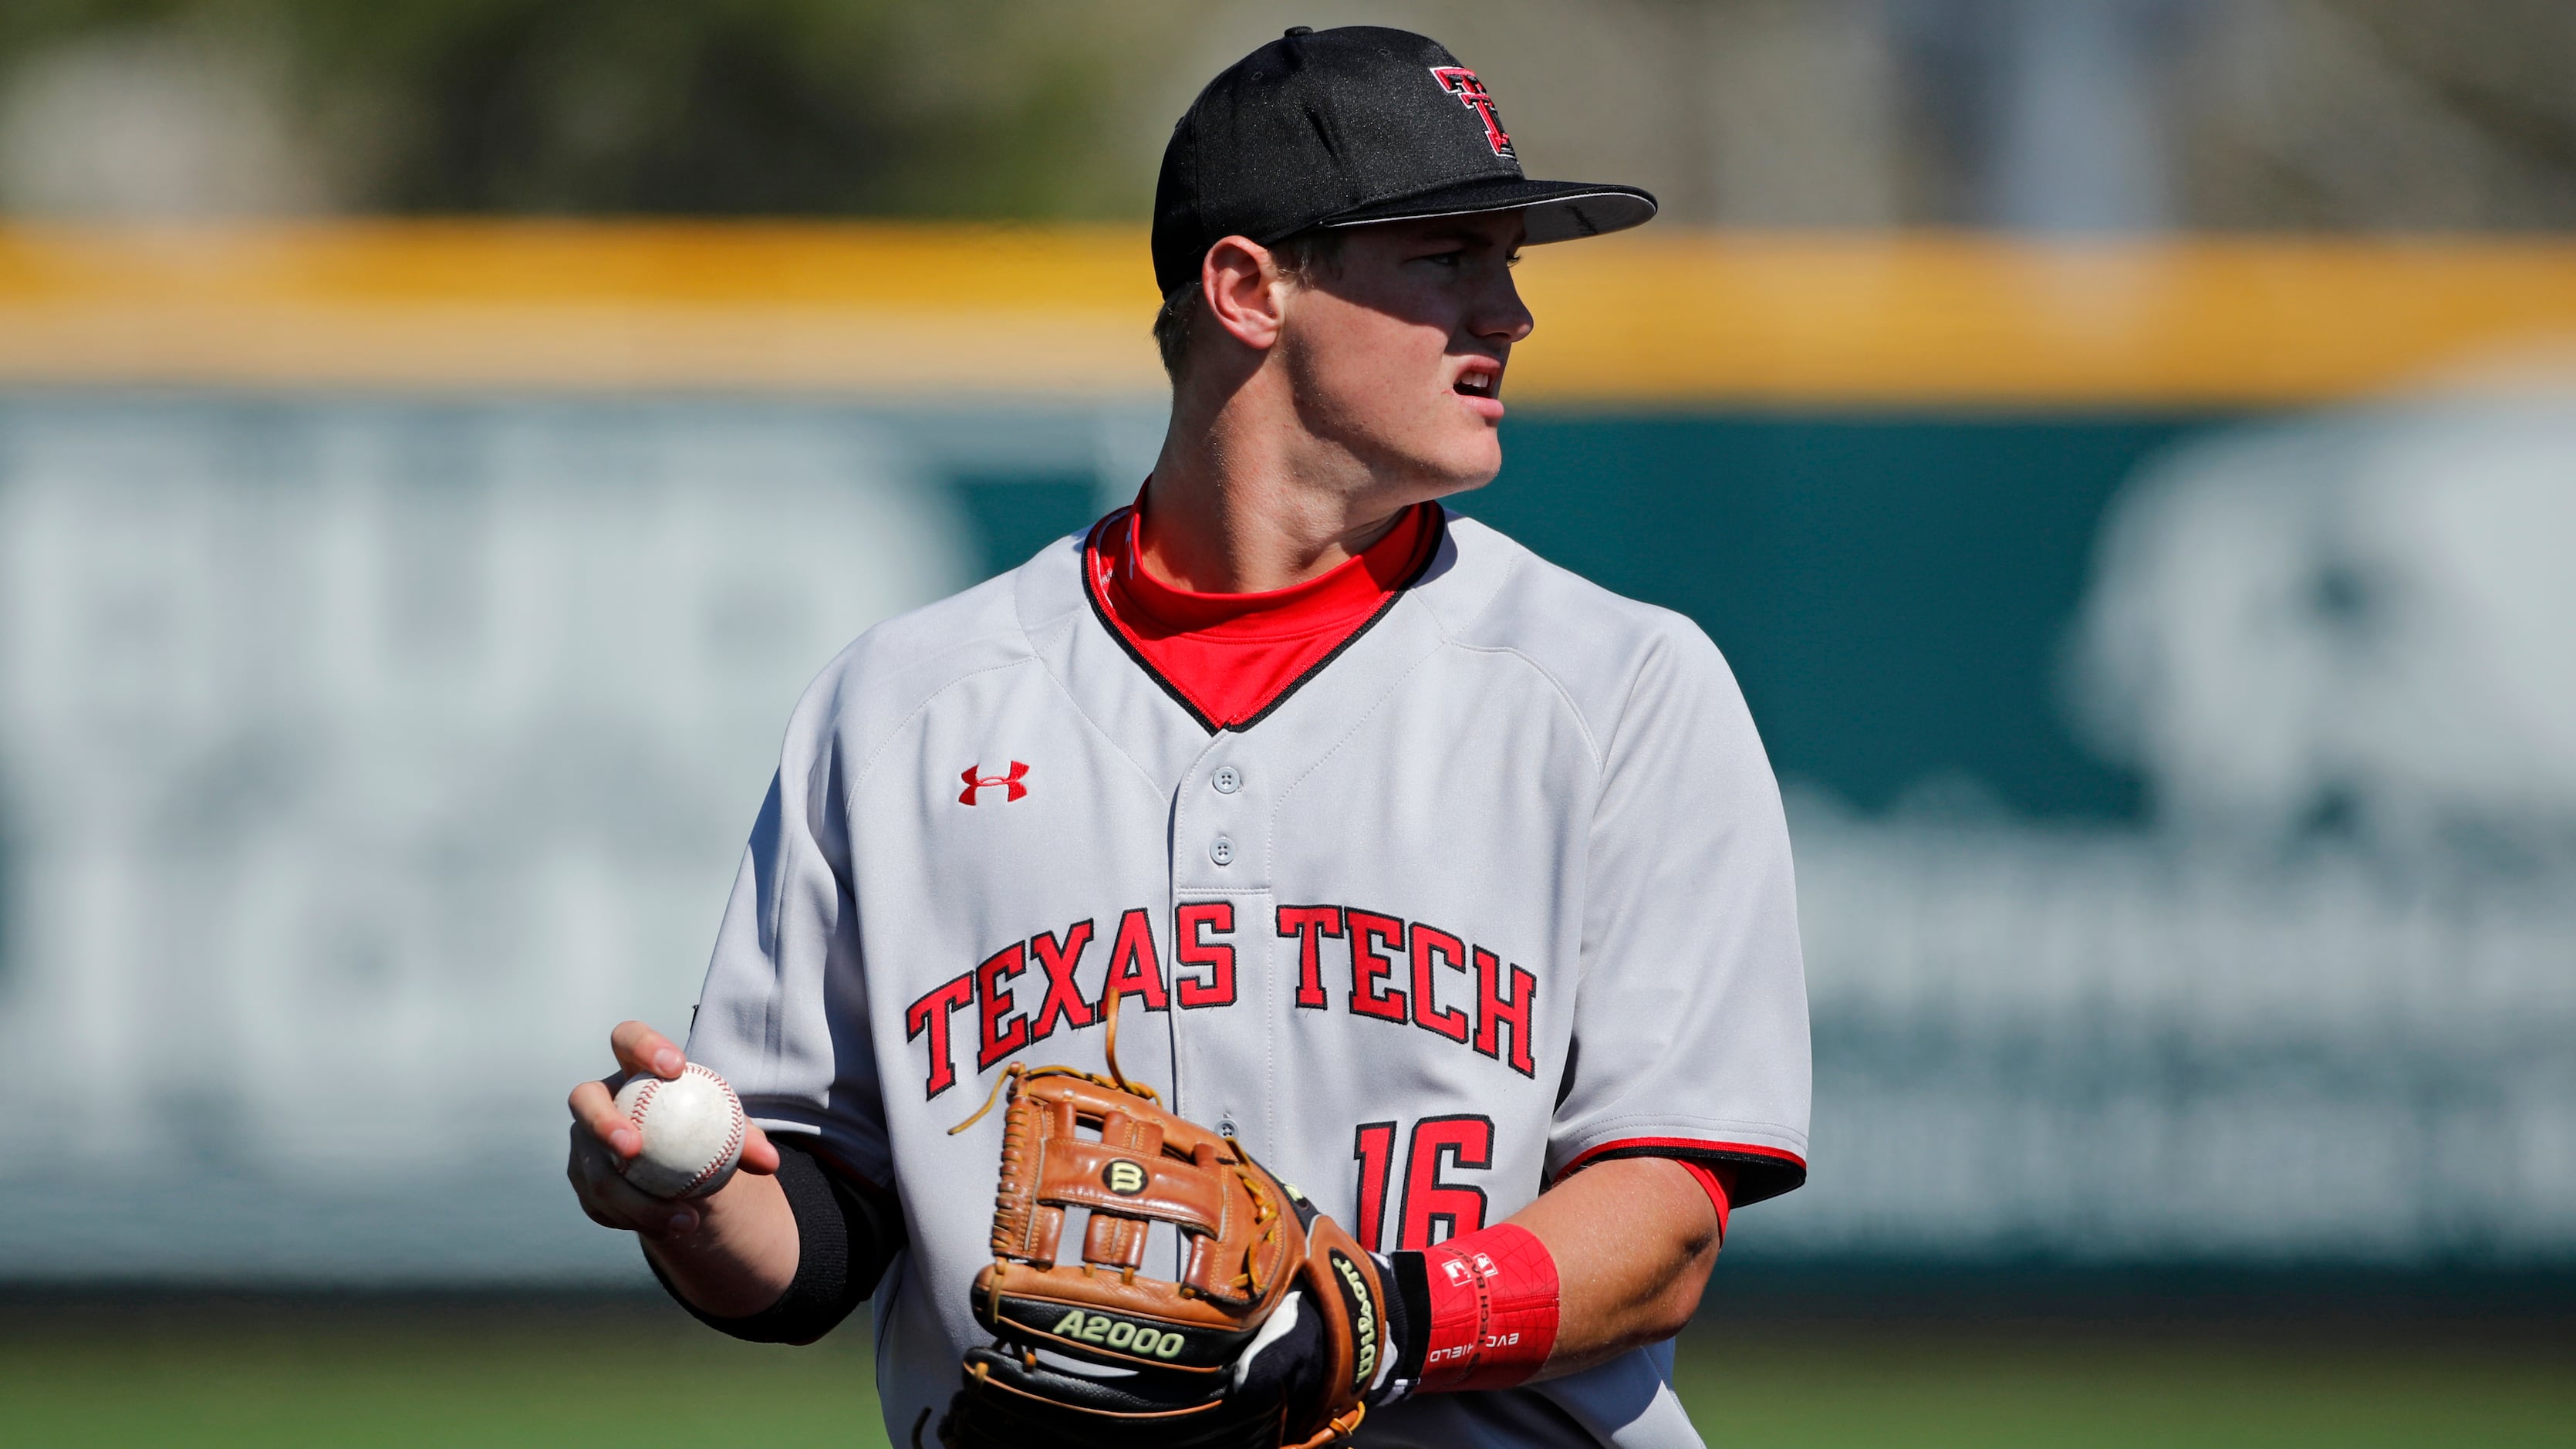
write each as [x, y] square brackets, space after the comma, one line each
[1499, 314]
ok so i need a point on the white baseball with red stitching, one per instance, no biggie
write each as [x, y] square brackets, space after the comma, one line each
[693, 1130]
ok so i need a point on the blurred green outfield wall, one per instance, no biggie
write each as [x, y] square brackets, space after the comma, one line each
[1892, 591]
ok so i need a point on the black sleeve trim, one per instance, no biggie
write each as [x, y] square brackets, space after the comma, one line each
[845, 1238]
[1409, 1313]
[1759, 1175]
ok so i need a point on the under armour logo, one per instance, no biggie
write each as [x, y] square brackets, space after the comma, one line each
[1010, 783]
[1461, 1271]
[1461, 82]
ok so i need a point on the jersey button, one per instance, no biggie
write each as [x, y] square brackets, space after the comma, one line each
[1223, 851]
[1227, 779]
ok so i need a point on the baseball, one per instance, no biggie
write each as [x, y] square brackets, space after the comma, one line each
[693, 1130]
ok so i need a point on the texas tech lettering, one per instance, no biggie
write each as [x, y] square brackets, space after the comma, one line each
[1395, 973]
[1383, 967]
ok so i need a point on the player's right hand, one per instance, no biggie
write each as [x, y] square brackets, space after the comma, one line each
[603, 1140]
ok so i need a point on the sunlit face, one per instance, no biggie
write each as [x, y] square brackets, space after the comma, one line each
[1396, 356]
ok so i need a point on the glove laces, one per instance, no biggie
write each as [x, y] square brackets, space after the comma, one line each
[1116, 1079]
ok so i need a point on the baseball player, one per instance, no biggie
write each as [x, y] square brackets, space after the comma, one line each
[1382, 942]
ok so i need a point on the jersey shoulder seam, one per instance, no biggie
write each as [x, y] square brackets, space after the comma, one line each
[1071, 620]
[1519, 559]
[1525, 568]
[1592, 745]
[1014, 636]
[887, 737]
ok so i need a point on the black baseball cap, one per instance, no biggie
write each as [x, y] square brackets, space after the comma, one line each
[1348, 126]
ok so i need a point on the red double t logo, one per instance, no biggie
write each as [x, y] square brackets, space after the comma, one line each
[1461, 82]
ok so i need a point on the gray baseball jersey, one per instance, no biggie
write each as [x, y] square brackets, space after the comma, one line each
[1500, 889]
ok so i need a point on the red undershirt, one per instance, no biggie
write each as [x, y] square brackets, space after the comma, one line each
[1718, 1183]
[1231, 656]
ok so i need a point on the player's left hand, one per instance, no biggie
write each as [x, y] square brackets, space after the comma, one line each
[1278, 1330]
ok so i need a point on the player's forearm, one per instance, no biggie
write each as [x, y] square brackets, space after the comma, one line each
[1633, 1240]
[741, 1256]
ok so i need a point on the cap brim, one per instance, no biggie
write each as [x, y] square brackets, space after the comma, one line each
[1554, 211]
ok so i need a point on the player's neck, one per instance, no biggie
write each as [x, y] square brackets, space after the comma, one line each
[1244, 501]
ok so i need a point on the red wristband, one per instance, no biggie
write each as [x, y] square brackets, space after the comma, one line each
[1493, 1309]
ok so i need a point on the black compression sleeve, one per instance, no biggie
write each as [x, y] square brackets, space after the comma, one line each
[1408, 1315]
[844, 1239]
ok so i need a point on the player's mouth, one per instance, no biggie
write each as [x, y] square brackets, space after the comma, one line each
[1481, 383]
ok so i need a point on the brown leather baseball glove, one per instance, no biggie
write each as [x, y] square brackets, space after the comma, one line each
[1271, 1332]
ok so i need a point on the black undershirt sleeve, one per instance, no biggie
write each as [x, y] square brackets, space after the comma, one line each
[845, 1238]
[1408, 1313]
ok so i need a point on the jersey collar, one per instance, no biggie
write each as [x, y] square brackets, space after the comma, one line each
[1386, 569]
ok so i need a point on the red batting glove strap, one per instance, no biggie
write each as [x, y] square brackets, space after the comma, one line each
[1493, 1309]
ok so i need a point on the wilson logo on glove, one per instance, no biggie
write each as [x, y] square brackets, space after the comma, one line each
[1362, 1308]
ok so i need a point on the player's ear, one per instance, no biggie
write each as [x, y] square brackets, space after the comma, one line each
[1243, 286]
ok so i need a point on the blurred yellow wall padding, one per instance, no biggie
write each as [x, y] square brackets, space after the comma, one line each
[581, 307]
[887, 309]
